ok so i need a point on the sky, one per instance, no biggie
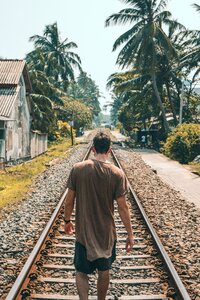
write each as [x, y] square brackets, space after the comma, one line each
[81, 21]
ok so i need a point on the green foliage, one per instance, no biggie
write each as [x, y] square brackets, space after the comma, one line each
[85, 90]
[56, 96]
[59, 60]
[77, 112]
[133, 103]
[183, 144]
[42, 113]
[63, 129]
[163, 53]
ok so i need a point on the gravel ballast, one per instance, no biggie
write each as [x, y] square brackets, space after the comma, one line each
[175, 220]
[22, 223]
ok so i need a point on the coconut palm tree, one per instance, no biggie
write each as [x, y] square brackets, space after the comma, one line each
[128, 89]
[60, 61]
[86, 91]
[193, 57]
[144, 40]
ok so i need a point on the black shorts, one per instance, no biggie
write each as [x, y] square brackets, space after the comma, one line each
[82, 264]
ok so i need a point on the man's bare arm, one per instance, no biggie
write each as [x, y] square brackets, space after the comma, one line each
[69, 206]
[126, 219]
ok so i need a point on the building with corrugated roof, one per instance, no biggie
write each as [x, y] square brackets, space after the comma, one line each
[15, 110]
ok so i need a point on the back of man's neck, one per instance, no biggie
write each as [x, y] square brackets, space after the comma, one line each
[101, 157]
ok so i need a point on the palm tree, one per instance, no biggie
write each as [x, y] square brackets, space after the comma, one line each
[86, 91]
[59, 59]
[144, 40]
[128, 89]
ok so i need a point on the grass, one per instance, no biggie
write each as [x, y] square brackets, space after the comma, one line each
[15, 181]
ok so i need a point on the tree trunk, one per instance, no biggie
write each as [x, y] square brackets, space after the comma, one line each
[172, 105]
[166, 126]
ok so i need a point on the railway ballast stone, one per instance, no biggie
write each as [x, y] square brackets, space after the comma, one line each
[177, 222]
[21, 224]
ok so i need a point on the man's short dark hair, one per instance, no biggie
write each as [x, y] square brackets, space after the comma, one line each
[101, 142]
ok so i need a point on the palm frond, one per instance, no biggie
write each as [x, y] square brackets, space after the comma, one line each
[196, 6]
[127, 54]
[123, 17]
[162, 16]
[127, 35]
[74, 56]
[175, 26]
[42, 42]
[162, 4]
[69, 45]
[166, 44]
[139, 4]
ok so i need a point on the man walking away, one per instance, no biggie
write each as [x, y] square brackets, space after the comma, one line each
[95, 184]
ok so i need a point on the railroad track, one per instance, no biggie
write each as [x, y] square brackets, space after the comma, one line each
[145, 273]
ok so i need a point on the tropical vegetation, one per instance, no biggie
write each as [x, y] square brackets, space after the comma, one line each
[58, 93]
[183, 144]
[160, 65]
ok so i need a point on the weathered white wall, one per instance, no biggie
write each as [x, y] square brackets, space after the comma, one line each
[25, 118]
[38, 143]
[18, 129]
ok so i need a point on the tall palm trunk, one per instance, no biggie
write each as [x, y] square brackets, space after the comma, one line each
[171, 105]
[166, 126]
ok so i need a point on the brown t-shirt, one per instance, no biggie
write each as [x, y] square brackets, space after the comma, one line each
[97, 184]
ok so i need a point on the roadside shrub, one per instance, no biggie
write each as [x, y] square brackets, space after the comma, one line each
[183, 144]
[64, 128]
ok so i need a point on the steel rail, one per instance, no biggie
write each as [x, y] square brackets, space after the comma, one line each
[178, 285]
[16, 288]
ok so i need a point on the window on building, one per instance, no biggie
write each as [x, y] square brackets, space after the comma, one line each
[2, 130]
[2, 124]
[2, 134]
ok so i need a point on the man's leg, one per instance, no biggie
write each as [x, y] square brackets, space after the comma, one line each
[102, 284]
[82, 285]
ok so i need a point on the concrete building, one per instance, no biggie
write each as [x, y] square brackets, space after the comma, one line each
[15, 111]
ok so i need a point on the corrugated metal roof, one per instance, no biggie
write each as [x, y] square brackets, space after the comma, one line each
[10, 71]
[7, 99]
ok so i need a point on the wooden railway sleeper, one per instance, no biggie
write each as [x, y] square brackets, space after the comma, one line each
[42, 254]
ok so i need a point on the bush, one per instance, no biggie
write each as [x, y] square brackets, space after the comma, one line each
[183, 144]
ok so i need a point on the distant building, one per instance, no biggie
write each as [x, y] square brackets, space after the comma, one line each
[15, 111]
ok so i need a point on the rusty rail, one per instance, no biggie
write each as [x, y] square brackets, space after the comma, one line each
[28, 269]
[174, 277]
[21, 281]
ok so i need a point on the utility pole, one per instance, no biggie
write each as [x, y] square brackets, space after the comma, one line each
[71, 123]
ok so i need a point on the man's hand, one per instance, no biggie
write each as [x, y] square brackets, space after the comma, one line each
[69, 228]
[129, 243]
